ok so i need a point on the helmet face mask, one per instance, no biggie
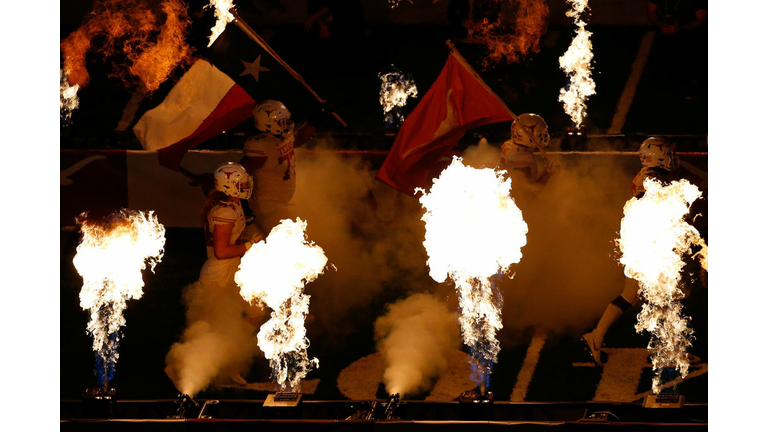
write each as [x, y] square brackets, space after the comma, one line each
[528, 127]
[657, 152]
[233, 180]
[273, 117]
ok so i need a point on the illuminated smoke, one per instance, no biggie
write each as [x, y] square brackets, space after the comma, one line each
[110, 258]
[513, 33]
[396, 88]
[577, 64]
[141, 40]
[273, 273]
[67, 98]
[474, 231]
[223, 17]
[415, 336]
[654, 235]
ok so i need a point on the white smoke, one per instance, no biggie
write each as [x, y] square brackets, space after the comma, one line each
[218, 342]
[415, 337]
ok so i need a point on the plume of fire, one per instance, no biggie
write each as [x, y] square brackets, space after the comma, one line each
[577, 64]
[512, 38]
[654, 235]
[110, 258]
[492, 235]
[395, 3]
[396, 88]
[68, 97]
[223, 17]
[273, 273]
[130, 34]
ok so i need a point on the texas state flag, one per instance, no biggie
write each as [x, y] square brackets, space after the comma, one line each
[203, 103]
[216, 94]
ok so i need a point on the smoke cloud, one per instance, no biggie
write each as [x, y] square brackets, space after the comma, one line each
[375, 261]
[569, 270]
[218, 342]
[415, 337]
[373, 235]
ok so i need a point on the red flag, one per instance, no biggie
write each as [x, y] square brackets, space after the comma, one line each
[204, 102]
[457, 101]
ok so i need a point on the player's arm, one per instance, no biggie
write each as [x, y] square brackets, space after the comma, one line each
[305, 131]
[221, 247]
[303, 134]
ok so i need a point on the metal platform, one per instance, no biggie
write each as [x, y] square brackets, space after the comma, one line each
[204, 415]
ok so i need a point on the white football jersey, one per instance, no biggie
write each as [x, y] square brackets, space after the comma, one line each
[275, 181]
[226, 212]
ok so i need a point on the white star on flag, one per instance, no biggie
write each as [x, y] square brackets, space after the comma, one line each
[253, 68]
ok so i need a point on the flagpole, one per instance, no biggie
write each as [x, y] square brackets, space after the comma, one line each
[469, 68]
[259, 40]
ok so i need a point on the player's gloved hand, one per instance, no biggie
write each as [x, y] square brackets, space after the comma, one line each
[253, 240]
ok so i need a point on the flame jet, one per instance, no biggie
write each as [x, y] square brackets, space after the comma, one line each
[654, 235]
[577, 64]
[396, 88]
[223, 17]
[110, 258]
[67, 97]
[474, 231]
[274, 273]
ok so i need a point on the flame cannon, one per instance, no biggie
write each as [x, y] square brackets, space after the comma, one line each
[494, 233]
[273, 273]
[110, 258]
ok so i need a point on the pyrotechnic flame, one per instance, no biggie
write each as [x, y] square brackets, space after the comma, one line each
[577, 64]
[492, 234]
[273, 273]
[396, 88]
[654, 235]
[512, 38]
[68, 97]
[110, 258]
[395, 3]
[223, 17]
[131, 35]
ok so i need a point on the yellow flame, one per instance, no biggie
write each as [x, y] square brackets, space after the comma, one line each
[142, 49]
[474, 231]
[654, 235]
[68, 96]
[577, 64]
[273, 273]
[395, 90]
[223, 17]
[513, 34]
[110, 258]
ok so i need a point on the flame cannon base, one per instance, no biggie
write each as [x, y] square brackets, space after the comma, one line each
[184, 402]
[98, 402]
[476, 404]
[282, 405]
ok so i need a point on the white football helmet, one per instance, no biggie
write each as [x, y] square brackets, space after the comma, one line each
[232, 179]
[535, 126]
[273, 117]
[658, 152]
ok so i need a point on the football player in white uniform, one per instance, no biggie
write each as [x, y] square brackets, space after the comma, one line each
[217, 316]
[659, 159]
[517, 154]
[269, 157]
